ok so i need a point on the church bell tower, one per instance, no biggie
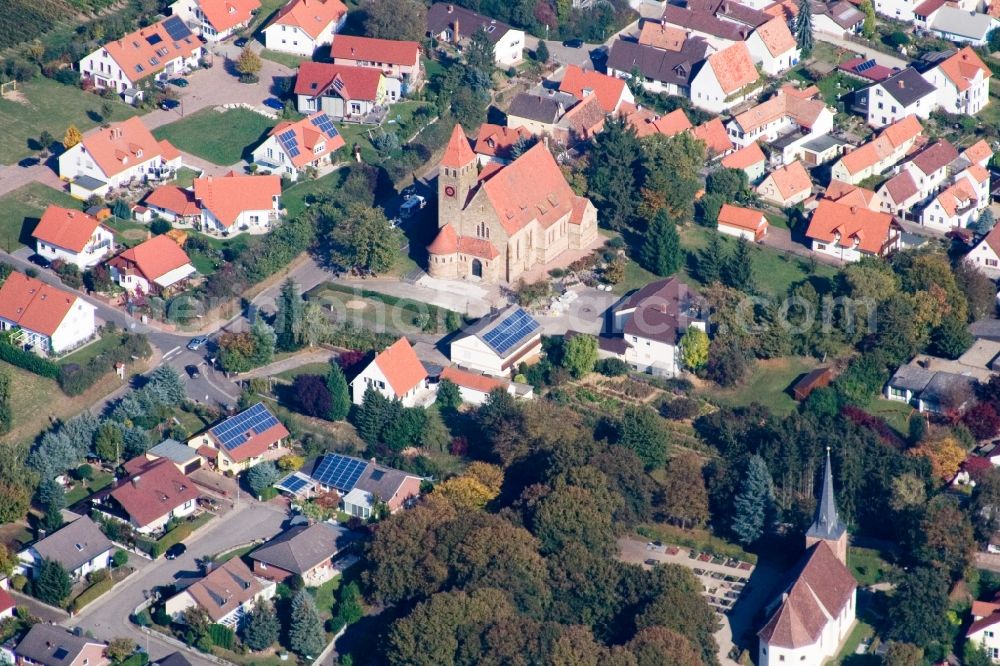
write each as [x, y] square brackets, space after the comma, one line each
[827, 525]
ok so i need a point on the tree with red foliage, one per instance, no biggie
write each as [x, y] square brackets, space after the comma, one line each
[312, 396]
[982, 420]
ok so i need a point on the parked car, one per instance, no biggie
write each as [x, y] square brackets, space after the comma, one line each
[412, 205]
[274, 103]
[197, 343]
[179, 82]
[175, 551]
[192, 371]
[169, 104]
[573, 43]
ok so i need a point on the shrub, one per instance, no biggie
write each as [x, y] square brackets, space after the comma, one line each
[612, 367]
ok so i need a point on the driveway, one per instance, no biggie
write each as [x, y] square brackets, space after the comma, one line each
[108, 617]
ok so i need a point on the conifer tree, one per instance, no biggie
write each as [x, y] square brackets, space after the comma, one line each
[661, 250]
[753, 506]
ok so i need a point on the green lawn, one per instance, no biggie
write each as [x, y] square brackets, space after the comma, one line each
[21, 209]
[221, 138]
[768, 385]
[45, 105]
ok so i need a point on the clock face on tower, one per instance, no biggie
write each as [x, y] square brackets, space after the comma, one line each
[449, 190]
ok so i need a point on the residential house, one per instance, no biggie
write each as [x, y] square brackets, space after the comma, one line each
[235, 203]
[396, 373]
[475, 387]
[903, 94]
[361, 484]
[852, 195]
[215, 20]
[773, 47]
[789, 119]
[162, 50]
[538, 114]
[962, 81]
[725, 79]
[152, 498]
[52, 645]
[611, 91]
[79, 547]
[647, 122]
[963, 26]
[786, 186]
[226, 593]
[291, 147]
[713, 134]
[815, 612]
[882, 152]
[986, 254]
[498, 342]
[45, 318]
[243, 440]
[979, 153]
[837, 19]
[302, 26]
[851, 232]
[176, 205]
[456, 25]
[152, 267]
[497, 225]
[115, 156]
[662, 71]
[651, 322]
[184, 458]
[496, 142]
[742, 222]
[73, 237]
[749, 159]
[343, 92]
[308, 551]
[398, 60]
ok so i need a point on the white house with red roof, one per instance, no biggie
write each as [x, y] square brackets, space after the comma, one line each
[164, 49]
[851, 232]
[152, 266]
[396, 373]
[72, 236]
[243, 440]
[293, 146]
[498, 224]
[234, 203]
[395, 59]
[344, 92]
[302, 26]
[46, 318]
[725, 79]
[115, 156]
[962, 81]
[742, 222]
[215, 20]
[986, 254]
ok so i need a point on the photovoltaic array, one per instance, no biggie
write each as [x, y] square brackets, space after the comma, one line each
[514, 328]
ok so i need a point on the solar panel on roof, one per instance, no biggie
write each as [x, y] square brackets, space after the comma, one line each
[512, 330]
[175, 28]
[867, 64]
[339, 472]
[235, 431]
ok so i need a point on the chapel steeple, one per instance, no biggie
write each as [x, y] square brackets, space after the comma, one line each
[827, 525]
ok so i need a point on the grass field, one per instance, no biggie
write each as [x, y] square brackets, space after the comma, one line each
[221, 138]
[45, 105]
[21, 209]
[768, 385]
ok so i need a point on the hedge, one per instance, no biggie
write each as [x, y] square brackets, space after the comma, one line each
[92, 593]
[27, 360]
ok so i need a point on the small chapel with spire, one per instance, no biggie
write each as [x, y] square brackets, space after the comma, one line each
[815, 612]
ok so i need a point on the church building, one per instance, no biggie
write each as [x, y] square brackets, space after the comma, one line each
[498, 223]
[816, 610]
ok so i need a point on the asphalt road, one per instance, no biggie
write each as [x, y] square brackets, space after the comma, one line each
[108, 617]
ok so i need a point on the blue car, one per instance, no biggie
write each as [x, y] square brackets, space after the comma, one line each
[274, 103]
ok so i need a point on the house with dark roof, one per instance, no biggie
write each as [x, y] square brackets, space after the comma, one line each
[497, 343]
[226, 593]
[651, 322]
[903, 94]
[52, 645]
[309, 551]
[662, 70]
[815, 611]
[396, 373]
[243, 440]
[451, 23]
[80, 547]
[150, 498]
